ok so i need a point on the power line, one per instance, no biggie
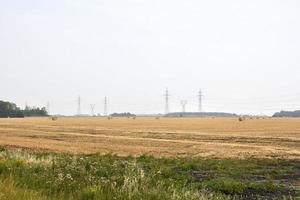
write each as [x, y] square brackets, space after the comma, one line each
[48, 108]
[294, 96]
[105, 106]
[92, 109]
[200, 101]
[167, 95]
[79, 106]
[183, 104]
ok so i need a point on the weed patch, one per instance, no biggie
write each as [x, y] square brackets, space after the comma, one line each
[95, 176]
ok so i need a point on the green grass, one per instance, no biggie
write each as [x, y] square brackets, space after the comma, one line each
[95, 176]
[9, 191]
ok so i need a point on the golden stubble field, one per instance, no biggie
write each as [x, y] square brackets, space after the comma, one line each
[196, 137]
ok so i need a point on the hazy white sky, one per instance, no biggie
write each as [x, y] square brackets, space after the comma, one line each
[245, 55]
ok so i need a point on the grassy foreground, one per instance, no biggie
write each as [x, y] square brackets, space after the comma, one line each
[30, 175]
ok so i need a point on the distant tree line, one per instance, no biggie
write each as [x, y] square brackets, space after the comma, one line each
[200, 114]
[126, 114]
[35, 111]
[287, 114]
[8, 109]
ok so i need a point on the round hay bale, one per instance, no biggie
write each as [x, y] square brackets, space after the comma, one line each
[54, 118]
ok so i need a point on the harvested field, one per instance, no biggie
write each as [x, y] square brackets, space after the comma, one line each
[196, 137]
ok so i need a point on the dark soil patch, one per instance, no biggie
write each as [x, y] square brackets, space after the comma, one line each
[286, 189]
[202, 175]
[254, 194]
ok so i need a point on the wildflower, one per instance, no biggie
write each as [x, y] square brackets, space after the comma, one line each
[60, 177]
[68, 176]
[142, 173]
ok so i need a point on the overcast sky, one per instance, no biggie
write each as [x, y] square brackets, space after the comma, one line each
[245, 55]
